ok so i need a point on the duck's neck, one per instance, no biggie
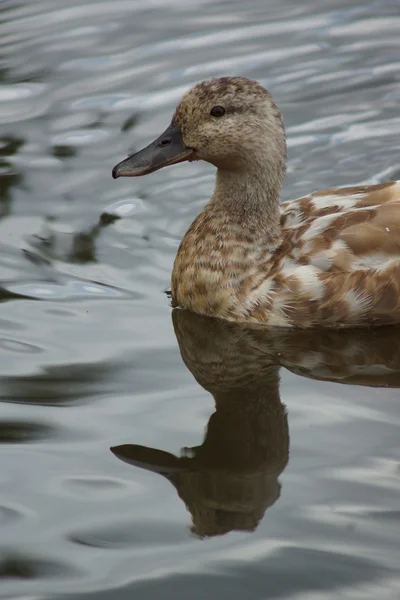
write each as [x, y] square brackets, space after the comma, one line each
[250, 199]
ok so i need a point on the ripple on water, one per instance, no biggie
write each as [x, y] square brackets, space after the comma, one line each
[123, 209]
[73, 289]
[95, 488]
[22, 101]
[17, 432]
[19, 347]
[131, 534]
[9, 514]
[386, 516]
[335, 570]
[19, 566]
[80, 137]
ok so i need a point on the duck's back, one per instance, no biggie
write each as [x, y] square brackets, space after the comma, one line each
[340, 261]
[346, 229]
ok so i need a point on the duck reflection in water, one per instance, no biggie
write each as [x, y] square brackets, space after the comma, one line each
[230, 480]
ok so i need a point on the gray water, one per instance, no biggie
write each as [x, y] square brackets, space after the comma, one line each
[243, 464]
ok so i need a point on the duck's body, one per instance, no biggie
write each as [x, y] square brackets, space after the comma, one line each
[329, 259]
[337, 263]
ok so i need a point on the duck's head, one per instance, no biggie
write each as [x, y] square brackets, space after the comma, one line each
[231, 122]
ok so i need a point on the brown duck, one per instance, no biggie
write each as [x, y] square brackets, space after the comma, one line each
[328, 259]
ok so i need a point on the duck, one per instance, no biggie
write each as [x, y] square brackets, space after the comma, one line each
[328, 259]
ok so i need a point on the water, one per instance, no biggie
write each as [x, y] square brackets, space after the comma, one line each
[111, 488]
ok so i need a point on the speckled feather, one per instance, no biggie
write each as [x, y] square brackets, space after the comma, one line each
[328, 259]
[338, 263]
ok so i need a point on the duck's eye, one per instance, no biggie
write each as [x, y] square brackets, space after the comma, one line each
[217, 111]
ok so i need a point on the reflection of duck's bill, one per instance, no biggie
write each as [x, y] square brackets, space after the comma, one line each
[167, 464]
[150, 459]
[168, 149]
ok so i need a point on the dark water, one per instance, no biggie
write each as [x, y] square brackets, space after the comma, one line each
[292, 490]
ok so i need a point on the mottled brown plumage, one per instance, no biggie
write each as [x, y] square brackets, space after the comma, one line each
[329, 259]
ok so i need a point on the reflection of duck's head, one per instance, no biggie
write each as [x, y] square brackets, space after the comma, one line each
[221, 495]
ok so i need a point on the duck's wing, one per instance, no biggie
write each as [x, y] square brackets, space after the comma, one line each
[345, 229]
[340, 261]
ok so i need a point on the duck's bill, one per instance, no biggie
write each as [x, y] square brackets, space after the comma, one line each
[168, 149]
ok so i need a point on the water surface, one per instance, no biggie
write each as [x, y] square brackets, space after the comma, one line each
[154, 455]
